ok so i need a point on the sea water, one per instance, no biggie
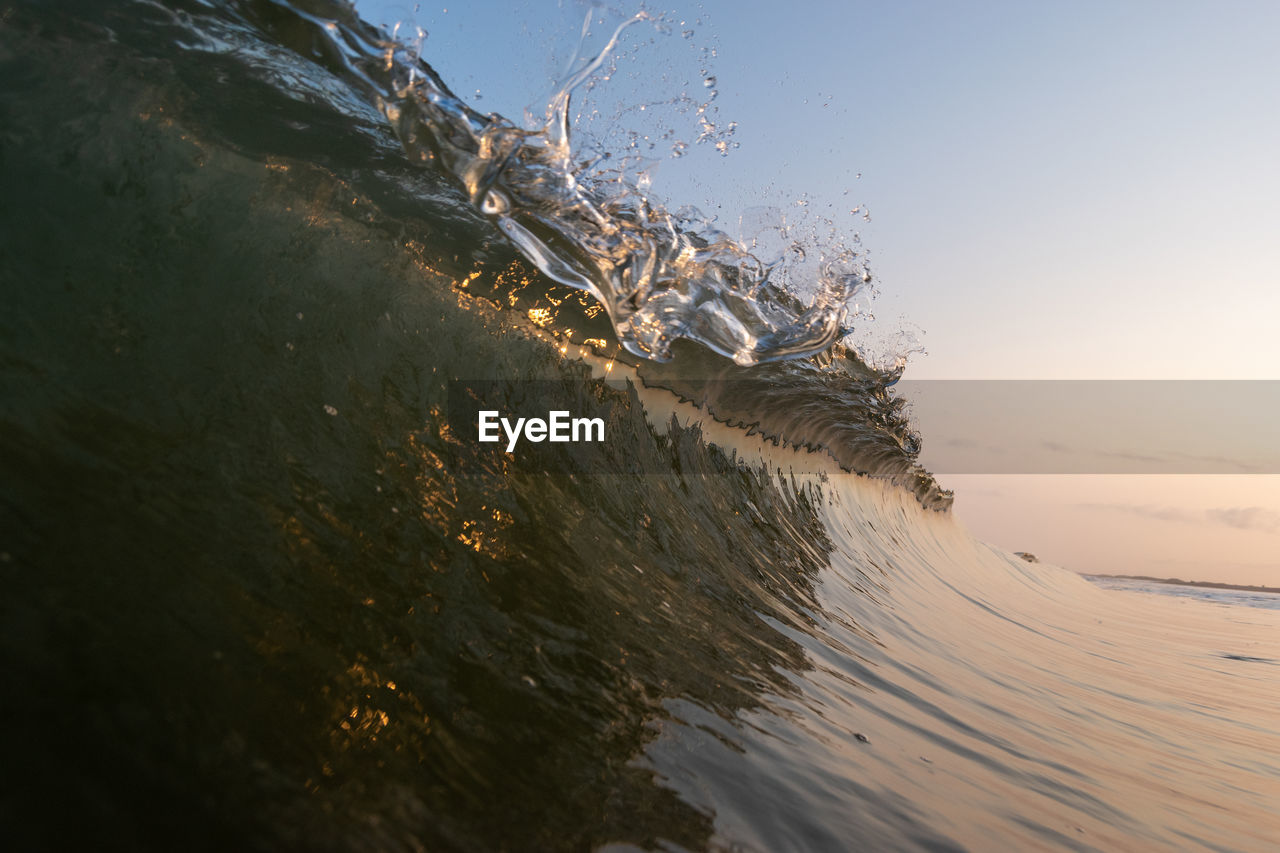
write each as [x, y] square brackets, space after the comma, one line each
[262, 591]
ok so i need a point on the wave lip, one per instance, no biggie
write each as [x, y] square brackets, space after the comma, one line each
[660, 276]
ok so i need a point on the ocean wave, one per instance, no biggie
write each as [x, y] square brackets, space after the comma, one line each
[323, 86]
[260, 592]
[660, 276]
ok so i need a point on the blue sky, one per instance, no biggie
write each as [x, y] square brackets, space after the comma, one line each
[1057, 190]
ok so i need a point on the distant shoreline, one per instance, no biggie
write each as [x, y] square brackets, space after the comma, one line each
[1180, 582]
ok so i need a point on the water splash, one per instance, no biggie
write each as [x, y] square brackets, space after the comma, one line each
[590, 225]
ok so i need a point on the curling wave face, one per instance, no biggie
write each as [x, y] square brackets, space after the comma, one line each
[327, 83]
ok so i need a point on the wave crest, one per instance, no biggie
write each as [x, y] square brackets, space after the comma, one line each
[660, 276]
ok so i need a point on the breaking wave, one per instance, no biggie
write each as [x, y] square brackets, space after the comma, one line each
[261, 592]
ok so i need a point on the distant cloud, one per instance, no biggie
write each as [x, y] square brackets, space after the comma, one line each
[1129, 456]
[1242, 518]
[1175, 460]
[1224, 564]
[1247, 518]
[1160, 513]
[970, 444]
[1222, 462]
[1132, 457]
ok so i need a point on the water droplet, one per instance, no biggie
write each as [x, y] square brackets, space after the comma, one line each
[495, 203]
[710, 81]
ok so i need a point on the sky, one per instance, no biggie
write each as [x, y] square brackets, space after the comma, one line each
[1055, 190]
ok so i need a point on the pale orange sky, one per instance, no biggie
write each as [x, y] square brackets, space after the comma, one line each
[1196, 527]
[1160, 490]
